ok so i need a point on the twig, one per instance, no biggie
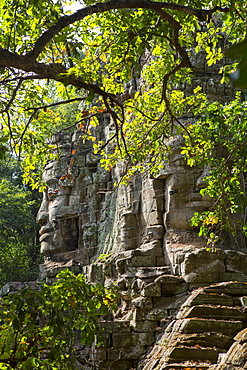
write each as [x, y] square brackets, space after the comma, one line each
[24, 131]
[55, 104]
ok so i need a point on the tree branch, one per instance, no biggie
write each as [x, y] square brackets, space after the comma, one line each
[58, 72]
[47, 36]
[55, 104]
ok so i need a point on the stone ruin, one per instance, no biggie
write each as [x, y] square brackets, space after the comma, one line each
[181, 305]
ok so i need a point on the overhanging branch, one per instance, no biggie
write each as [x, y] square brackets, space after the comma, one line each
[47, 36]
[58, 72]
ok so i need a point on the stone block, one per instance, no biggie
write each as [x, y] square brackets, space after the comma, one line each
[123, 353]
[106, 340]
[151, 290]
[236, 261]
[217, 340]
[95, 272]
[200, 297]
[209, 273]
[98, 354]
[115, 326]
[129, 219]
[139, 313]
[171, 285]
[158, 186]
[122, 264]
[51, 269]
[157, 314]
[154, 272]
[169, 302]
[200, 258]
[196, 325]
[178, 218]
[129, 237]
[156, 232]
[160, 261]
[169, 279]
[154, 218]
[180, 354]
[153, 248]
[232, 276]
[144, 326]
[170, 289]
[143, 302]
[143, 261]
[13, 286]
[216, 312]
[232, 288]
[127, 340]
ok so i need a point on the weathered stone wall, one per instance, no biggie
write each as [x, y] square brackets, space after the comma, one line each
[166, 321]
[83, 215]
[179, 305]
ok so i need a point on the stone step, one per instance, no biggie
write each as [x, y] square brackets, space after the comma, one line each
[199, 325]
[203, 339]
[179, 354]
[153, 272]
[153, 248]
[200, 298]
[215, 312]
[183, 366]
[232, 288]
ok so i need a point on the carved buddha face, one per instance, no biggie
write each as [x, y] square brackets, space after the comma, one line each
[57, 217]
[182, 190]
[183, 199]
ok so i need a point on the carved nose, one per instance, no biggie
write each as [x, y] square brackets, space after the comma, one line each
[42, 218]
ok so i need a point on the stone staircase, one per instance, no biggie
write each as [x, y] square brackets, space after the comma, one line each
[141, 277]
[203, 329]
[164, 322]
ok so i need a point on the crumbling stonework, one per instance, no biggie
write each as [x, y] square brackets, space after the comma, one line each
[152, 255]
[83, 216]
[139, 238]
[181, 304]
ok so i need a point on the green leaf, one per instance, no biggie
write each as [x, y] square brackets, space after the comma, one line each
[90, 97]
[16, 324]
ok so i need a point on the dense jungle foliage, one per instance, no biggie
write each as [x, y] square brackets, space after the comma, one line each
[19, 246]
[43, 327]
[134, 60]
[52, 56]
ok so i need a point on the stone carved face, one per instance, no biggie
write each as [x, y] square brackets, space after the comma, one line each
[183, 199]
[182, 190]
[57, 217]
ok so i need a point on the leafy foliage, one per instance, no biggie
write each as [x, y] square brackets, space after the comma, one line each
[218, 141]
[239, 52]
[19, 253]
[40, 328]
[130, 59]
